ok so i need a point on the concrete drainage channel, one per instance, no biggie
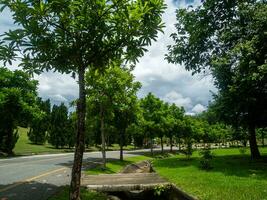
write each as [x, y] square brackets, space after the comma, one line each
[135, 182]
[160, 192]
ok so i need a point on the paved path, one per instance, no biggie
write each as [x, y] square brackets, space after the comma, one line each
[122, 182]
[37, 177]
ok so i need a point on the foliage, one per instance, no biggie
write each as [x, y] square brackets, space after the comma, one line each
[73, 36]
[59, 126]
[40, 123]
[230, 42]
[205, 159]
[17, 103]
[112, 102]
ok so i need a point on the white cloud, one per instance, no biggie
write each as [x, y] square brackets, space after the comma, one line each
[198, 108]
[178, 99]
[169, 82]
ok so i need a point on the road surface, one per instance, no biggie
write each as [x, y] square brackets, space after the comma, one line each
[38, 177]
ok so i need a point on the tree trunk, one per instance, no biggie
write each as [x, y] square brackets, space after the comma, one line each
[121, 144]
[161, 143]
[80, 140]
[171, 144]
[151, 146]
[103, 136]
[255, 154]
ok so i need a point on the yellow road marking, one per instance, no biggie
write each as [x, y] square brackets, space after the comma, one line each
[31, 179]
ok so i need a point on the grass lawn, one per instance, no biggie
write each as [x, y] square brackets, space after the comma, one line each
[25, 147]
[233, 177]
[115, 166]
[85, 195]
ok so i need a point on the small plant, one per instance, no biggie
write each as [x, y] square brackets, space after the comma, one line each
[205, 160]
[188, 150]
[158, 190]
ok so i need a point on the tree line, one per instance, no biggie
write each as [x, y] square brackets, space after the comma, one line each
[114, 115]
[224, 38]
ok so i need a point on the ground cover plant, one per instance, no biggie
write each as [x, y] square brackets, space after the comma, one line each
[233, 175]
[64, 195]
[115, 166]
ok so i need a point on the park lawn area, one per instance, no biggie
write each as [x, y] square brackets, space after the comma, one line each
[85, 195]
[25, 147]
[115, 166]
[233, 176]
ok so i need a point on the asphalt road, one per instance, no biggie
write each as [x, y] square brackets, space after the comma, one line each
[38, 177]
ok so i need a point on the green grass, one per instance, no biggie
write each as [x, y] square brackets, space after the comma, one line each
[234, 176]
[115, 166]
[85, 195]
[25, 147]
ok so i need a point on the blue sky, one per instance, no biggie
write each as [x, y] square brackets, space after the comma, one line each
[168, 81]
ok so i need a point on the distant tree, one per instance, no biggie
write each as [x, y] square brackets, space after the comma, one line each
[152, 114]
[174, 117]
[17, 103]
[71, 36]
[40, 123]
[59, 126]
[262, 133]
[71, 130]
[227, 39]
[111, 94]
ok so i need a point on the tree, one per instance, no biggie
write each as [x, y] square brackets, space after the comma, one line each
[112, 91]
[152, 113]
[59, 126]
[227, 38]
[17, 103]
[71, 36]
[71, 129]
[40, 124]
[175, 115]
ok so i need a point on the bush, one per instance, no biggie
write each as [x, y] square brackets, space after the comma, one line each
[205, 160]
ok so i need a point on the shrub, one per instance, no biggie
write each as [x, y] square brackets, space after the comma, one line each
[205, 160]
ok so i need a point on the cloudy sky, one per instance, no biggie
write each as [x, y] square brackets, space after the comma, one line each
[169, 82]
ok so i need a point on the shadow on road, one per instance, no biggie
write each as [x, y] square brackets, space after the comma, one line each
[28, 191]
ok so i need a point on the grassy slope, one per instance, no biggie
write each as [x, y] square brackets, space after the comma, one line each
[233, 176]
[115, 166]
[25, 147]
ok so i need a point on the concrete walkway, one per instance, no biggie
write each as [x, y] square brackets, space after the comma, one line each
[122, 182]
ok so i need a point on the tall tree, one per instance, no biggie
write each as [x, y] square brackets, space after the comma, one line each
[71, 36]
[17, 103]
[58, 126]
[152, 113]
[228, 39]
[113, 94]
[174, 115]
[41, 123]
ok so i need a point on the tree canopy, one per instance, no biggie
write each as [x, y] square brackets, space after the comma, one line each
[228, 39]
[17, 105]
[71, 36]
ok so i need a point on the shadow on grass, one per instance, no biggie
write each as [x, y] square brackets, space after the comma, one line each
[28, 191]
[230, 165]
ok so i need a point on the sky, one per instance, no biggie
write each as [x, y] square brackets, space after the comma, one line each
[169, 82]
